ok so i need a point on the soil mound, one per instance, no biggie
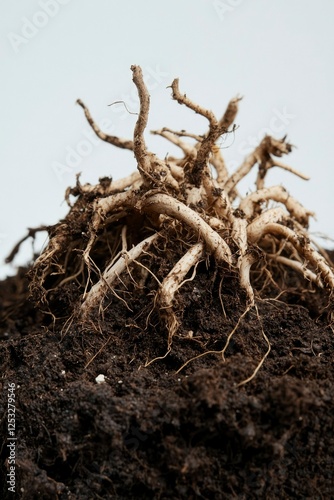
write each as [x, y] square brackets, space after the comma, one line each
[152, 433]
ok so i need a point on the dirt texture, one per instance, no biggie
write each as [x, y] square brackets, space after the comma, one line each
[149, 432]
[173, 340]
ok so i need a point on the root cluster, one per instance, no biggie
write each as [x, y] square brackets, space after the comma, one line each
[187, 207]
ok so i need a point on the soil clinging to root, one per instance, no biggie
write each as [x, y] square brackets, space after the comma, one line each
[173, 340]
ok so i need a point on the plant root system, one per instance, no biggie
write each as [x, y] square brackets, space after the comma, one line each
[149, 232]
[173, 339]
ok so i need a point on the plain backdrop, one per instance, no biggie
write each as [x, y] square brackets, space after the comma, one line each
[278, 55]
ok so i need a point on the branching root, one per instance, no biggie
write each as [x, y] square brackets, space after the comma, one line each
[183, 216]
[171, 284]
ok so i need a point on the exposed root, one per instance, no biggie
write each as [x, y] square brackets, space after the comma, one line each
[171, 284]
[264, 357]
[31, 234]
[165, 204]
[304, 248]
[263, 155]
[114, 140]
[297, 266]
[245, 264]
[99, 290]
[221, 352]
[105, 187]
[174, 138]
[276, 193]
[191, 205]
[257, 229]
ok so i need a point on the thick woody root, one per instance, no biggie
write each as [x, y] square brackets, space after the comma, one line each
[194, 192]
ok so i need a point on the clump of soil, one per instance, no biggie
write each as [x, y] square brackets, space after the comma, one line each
[173, 340]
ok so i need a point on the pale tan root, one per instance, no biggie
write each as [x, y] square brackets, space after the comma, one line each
[173, 281]
[222, 351]
[319, 248]
[176, 171]
[153, 170]
[263, 156]
[104, 189]
[190, 151]
[239, 234]
[195, 195]
[187, 149]
[218, 199]
[183, 99]
[230, 113]
[220, 202]
[273, 162]
[162, 174]
[305, 249]
[243, 170]
[183, 133]
[114, 140]
[283, 166]
[297, 266]
[140, 149]
[322, 251]
[245, 263]
[56, 245]
[263, 358]
[97, 293]
[216, 129]
[256, 229]
[125, 182]
[276, 193]
[165, 204]
[216, 224]
[120, 202]
[219, 164]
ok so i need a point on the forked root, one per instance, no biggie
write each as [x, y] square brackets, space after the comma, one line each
[97, 293]
[304, 248]
[276, 193]
[172, 283]
[297, 266]
[165, 204]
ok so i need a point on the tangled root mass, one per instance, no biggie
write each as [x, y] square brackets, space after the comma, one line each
[189, 211]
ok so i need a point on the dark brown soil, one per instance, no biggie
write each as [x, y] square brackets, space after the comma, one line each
[154, 433]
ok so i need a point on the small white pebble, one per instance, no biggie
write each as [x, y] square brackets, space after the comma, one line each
[179, 380]
[100, 379]
[120, 381]
[62, 372]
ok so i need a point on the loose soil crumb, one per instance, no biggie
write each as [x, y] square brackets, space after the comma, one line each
[149, 432]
